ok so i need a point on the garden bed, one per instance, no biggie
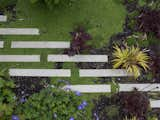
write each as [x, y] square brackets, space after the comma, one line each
[80, 60]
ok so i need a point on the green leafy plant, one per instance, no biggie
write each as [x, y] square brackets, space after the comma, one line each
[53, 104]
[51, 3]
[105, 108]
[152, 118]
[7, 97]
[130, 58]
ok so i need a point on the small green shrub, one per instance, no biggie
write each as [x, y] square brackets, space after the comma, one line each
[105, 108]
[7, 97]
[53, 104]
[51, 3]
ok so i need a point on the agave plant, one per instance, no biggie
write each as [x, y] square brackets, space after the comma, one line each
[130, 58]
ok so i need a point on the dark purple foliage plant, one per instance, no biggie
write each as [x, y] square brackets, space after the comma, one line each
[78, 43]
[134, 104]
[121, 105]
[155, 62]
[149, 21]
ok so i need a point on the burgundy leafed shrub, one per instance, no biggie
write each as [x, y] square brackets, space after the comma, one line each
[155, 66]
[149, 21]
[155, 62]
[78, 44]
[134, 104]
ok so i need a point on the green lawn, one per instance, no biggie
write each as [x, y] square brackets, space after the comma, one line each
[101, 18]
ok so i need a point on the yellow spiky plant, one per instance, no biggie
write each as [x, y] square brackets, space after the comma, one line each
[130, 58]
[133, 118]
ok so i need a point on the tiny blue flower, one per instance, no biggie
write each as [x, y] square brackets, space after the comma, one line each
[81, 107]
[67, 88]
[84, 103]
[23, 100]
[72, 118]
[15, 117]
[78, 93]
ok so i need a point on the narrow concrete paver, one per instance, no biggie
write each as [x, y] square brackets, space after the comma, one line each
[89, 88]
[40, 44]
[103, 73]
[3, 18]
[40, 72]
[139, 87]
[155, 103]
[78, 58]
[19, 58]
[1, 44]
[19, 31]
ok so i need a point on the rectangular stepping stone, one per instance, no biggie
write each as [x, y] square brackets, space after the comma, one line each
[1, 44]
[39, 44]
[3, 18]
[40, 72]
[139, 87]
[103, 73]
[89, 88]
[19, 31]
[19, 58]
[155, 103]
[78, 58]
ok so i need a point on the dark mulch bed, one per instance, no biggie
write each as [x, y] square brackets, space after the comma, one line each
[26, 86]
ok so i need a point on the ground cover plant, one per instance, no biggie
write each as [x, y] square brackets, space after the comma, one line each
[7, 97]
[53, 103]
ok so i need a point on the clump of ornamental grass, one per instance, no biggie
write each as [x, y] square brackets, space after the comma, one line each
[131, 58]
